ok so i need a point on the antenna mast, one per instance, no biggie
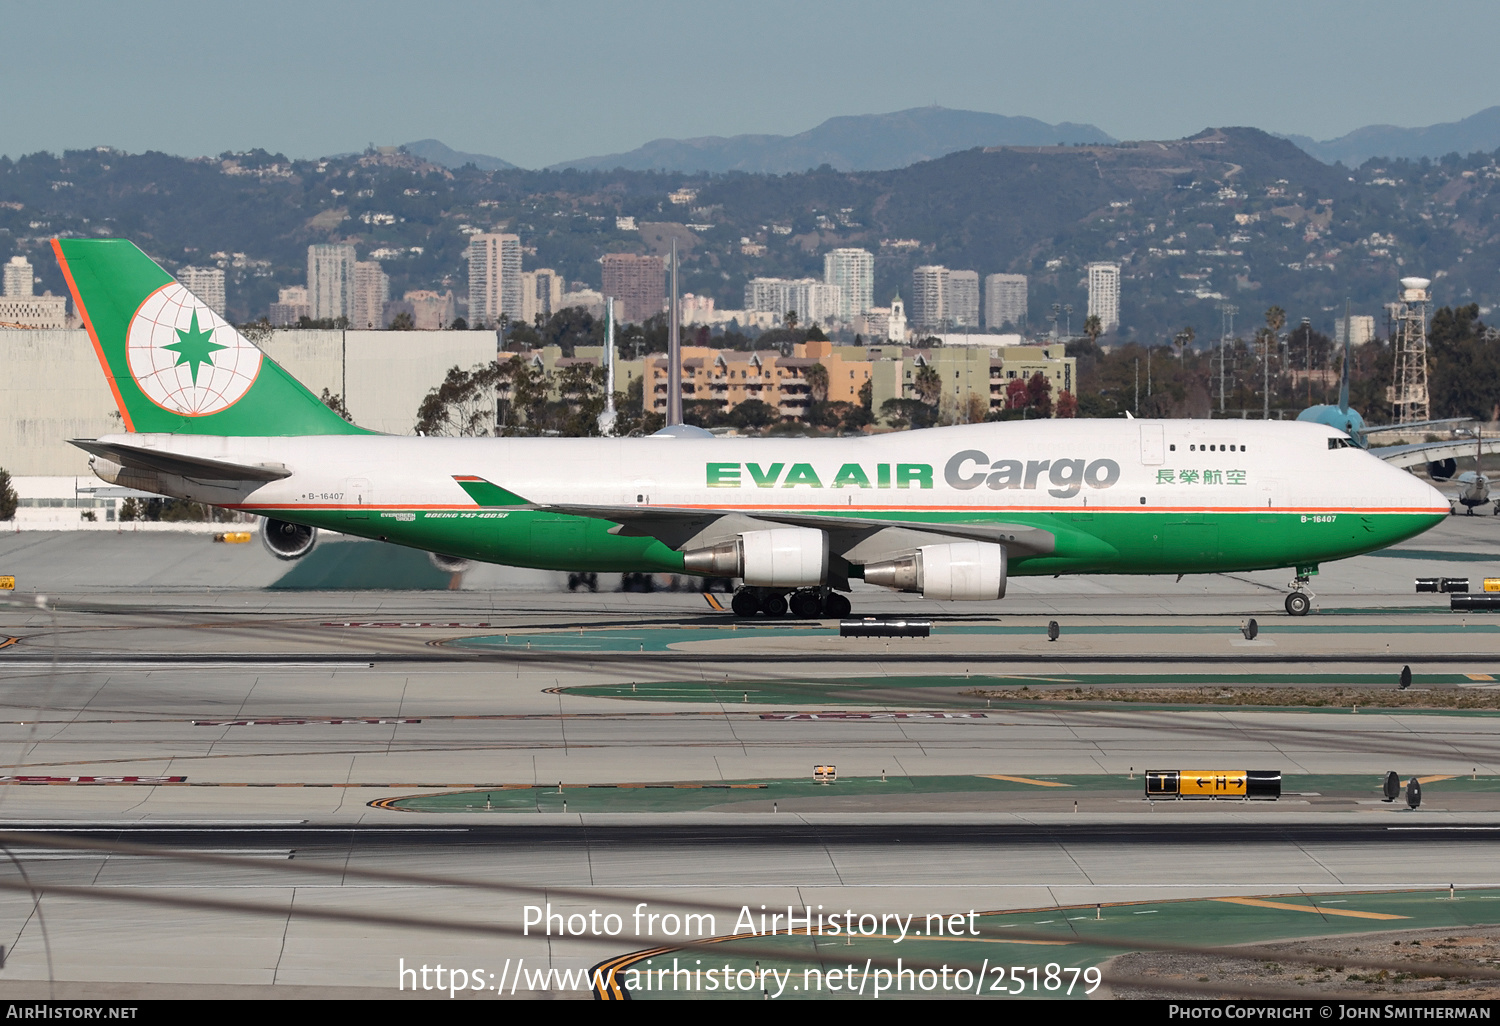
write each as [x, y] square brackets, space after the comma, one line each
[607, 418]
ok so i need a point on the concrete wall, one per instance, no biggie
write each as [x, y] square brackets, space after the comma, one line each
[382, 375]
[52, 388]
[387, 374]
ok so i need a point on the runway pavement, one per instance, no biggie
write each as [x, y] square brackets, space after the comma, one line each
[160, 695]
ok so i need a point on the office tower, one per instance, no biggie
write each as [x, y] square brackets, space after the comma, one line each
[929, 295]
[207, 283]
[541, 294]
[852, 272]
[637, 283]
[1004, 301]
[812, 300]
[430, 310]
[1361, 330]
[290, 307]
[371, 289]
[1104, 295]
[494, 279]
[18, 278]
[961, 303]
[330, 280]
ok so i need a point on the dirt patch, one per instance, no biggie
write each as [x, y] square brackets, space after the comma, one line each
[1407, 960]
[1312, 698]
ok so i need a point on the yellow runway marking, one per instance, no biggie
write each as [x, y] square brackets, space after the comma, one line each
[1428, 780]
[1479, 676]
[1350, 912]
[1024, 780]
[713, 603]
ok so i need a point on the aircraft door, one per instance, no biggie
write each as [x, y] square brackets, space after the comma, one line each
[357, 498]
[1153, 445]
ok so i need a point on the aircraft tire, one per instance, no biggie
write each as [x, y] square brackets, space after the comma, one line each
[1298, 604]
[774, 606]
[744, 604]
[837, 605]
[806, 605]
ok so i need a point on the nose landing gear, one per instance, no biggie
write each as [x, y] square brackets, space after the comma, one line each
[1299, 602]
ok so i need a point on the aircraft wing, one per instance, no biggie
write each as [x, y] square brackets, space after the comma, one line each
[860, 536]
[1430, 452]
[670, 523]
[197, 467]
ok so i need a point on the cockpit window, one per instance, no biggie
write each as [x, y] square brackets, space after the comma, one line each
[1340, 443]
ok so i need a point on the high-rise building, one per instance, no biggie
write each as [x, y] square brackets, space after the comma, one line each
[1004, 301]
[290, 307]
[637, 283]
[1361, 330]
[494, 278]
[541, 294]
[330, 280]
[852, 272]
[1104, 295]
[929, 295]
[431, 311]
[18, 278]
[371, 289]
[813, 301]
[961, 308]
[207, 283]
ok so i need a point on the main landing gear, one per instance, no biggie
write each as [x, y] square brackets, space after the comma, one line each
[804, 603]
[1299, 602]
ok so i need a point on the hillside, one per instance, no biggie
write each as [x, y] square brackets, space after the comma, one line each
[869, 142]
[1229, 215]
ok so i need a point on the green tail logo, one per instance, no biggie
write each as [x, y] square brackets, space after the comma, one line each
[175, 365]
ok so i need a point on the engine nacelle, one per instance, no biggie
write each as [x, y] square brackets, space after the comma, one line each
[957, 571]
[287, 541]
[783, 557]
[1442, 470]
[449, 564]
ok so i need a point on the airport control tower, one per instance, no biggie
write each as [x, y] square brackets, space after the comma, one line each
[1408, 393]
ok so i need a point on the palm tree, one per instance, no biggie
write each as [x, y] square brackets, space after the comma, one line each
[1093, 328]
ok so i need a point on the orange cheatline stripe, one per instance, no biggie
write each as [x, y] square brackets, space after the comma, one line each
[1024, 780]
[978, 510]
[1350, 912]
[88, 322]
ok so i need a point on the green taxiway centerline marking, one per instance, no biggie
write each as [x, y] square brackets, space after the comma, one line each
[1078, 940]
[660, 639]
[696, 796]
[877, 690]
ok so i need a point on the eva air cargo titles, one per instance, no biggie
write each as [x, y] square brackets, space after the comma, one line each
[949, 513]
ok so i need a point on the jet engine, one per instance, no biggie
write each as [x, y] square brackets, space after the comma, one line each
[1442, 470]
[449, 564]
[972, 571]
[783, 557]
[287, 541]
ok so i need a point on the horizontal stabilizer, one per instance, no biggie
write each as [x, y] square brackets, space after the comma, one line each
[199, 468]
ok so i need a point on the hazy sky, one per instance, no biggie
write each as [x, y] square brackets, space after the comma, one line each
[540, 81]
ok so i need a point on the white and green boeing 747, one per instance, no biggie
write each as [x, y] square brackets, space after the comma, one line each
[950, 513]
